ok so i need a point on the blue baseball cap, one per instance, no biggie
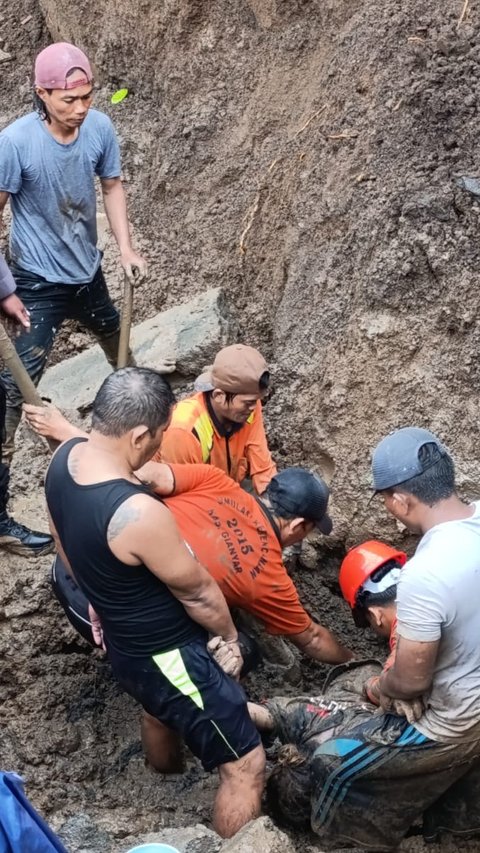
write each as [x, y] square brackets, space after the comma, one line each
[395, 459]
[298, 493]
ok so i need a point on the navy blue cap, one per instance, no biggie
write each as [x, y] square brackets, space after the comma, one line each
[395, 459]
[296, 492]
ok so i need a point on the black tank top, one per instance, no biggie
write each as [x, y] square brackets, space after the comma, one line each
[140, 616]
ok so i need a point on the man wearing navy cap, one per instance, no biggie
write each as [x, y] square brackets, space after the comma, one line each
[239, 539]
[438, 650]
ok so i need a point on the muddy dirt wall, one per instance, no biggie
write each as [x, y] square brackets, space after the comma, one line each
[309, 157]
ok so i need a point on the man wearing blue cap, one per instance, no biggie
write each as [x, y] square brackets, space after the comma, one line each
[439, 654]
[239, 540]
[370, 776]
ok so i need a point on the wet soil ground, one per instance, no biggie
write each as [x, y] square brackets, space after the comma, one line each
[361, 248]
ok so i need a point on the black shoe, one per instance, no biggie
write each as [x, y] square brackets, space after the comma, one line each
[18, 539]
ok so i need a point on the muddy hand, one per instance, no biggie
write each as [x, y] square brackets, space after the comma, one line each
[16, 313]
[412, 709]
[97, 629]
[135, 267]
[227, 655]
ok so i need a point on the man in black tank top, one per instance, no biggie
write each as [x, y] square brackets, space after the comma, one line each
[156, 604]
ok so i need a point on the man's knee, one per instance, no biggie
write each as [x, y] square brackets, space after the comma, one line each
[161, 745]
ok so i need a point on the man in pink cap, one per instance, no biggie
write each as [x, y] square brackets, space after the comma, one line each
[48, 163]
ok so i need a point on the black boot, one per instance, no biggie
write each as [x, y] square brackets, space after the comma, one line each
[18, 539]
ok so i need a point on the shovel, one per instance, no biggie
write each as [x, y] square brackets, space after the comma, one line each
[124, 337]
[25, 385]
[127, 308]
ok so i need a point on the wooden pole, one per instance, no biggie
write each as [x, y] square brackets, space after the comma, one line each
[25, 385]
[127, 308]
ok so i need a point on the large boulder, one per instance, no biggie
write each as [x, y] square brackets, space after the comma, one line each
[182, 340]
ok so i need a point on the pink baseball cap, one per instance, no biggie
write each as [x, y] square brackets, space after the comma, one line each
[54, 63]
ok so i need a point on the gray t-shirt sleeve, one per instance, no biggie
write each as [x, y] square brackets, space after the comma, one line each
[10, 166]
[7, 282]
[421, 608]
[108, 165]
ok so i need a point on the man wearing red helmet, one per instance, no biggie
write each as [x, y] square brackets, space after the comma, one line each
[368, 580]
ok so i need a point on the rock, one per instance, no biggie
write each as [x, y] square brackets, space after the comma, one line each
[259, 836]
[80, 834]
[472, 185]
[4, 56]
[186, 839]
[184, 339]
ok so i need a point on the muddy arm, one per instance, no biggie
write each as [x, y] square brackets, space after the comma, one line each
[48, 421]
[261, 716]
[319, 643]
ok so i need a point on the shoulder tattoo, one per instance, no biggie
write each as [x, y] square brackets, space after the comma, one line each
[126, 514]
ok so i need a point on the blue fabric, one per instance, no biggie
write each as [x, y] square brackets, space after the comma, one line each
[52, 195]
[7, 283]
[22, 830]
[376, 742]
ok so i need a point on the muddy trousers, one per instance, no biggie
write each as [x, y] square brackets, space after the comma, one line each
[49, 305]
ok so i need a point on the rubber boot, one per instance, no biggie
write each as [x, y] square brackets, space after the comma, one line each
[109, 344]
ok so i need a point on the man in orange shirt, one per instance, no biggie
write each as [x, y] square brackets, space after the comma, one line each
[239, 539]
[222, 424]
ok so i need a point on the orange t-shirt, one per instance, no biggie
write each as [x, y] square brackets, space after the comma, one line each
[232, 537]
[243, 453]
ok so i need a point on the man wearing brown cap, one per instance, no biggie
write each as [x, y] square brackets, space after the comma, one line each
[222, 424]
[48, 163]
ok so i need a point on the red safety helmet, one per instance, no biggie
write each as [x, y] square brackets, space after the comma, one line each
[361, 562]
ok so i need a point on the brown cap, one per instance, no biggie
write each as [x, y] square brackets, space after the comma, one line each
[236, 370]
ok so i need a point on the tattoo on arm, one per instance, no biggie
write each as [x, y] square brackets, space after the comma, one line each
[126, 514]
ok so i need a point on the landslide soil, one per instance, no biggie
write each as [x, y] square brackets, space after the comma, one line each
[308, 157]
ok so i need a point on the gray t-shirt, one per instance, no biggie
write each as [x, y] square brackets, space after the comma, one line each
[52, 189]
[438, 598]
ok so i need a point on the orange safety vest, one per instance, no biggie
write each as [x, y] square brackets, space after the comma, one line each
[192, 437]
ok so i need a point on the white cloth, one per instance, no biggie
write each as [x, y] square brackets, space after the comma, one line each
[438, 598]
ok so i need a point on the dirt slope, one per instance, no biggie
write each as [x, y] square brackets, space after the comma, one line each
[307, 156]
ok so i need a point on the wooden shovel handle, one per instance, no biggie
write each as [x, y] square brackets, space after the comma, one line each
[127, 308]
[25, 385]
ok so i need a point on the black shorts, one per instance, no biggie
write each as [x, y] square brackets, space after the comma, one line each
[75, 605]
[72, 599]
[187, 691]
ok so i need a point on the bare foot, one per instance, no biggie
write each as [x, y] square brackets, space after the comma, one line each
[48, 421]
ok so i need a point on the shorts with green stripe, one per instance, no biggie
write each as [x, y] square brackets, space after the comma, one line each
[187, 691]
